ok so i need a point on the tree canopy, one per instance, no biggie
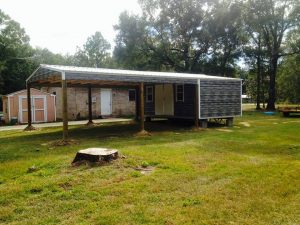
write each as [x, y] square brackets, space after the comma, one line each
[212, 37]
[274, 20]
[257, 40]
[94, 52]
[14, 50]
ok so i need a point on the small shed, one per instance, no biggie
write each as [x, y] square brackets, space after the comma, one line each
[42, 107]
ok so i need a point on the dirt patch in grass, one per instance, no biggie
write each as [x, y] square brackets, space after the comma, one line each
[32, 169]
[145, 170]
[58, 143]
[246, 124]
[142, 134]
[224, 130]
[291, 122]
[66, 186]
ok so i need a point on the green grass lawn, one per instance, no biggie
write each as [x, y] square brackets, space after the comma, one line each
[248, 174]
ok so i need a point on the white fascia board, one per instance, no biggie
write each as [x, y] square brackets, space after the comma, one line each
[63, 75]
[51, 68]
[54, 103]
[8, 107]
[151, 74]
[241, 98]
[199, 100]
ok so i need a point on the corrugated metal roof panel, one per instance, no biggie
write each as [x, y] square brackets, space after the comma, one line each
[74, 69]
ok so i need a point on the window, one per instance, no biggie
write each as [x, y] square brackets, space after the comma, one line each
[132, 95]
[179, 93]
[54, 93]
[149, 94]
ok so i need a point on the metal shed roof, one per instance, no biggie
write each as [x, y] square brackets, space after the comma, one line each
[24, 90]
[94, 74]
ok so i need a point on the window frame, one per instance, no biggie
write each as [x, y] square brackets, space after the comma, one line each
[129, 95]
[176, 92]
[151, 92]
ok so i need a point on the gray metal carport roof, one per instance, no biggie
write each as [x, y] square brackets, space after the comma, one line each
[52, 74]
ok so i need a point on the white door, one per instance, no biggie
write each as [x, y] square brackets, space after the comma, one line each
[106, 102]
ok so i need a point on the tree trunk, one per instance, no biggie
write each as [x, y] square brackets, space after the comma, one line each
[187, 65]
[258, 79]
[263, 90]
[258, 84]
[224, 61]
[272, 84]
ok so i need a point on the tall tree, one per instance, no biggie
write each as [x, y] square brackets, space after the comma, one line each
[289, 80]
[94, 52]
[226, 28]
[130, 51]
[185, 36]
[15, 52]
[254, 51]
[172, 33]
[289, 71]
[45, 56]
[276, 19]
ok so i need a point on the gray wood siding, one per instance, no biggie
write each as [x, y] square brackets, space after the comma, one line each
[220, 98]
[187, 107]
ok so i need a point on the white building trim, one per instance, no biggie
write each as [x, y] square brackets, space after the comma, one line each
[199, 99]
[8, 108]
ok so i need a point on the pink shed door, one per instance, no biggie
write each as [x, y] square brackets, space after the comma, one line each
[39, 104]
[38, 109]
[24, 114]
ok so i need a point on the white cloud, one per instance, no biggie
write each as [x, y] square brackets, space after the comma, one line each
[61, 25]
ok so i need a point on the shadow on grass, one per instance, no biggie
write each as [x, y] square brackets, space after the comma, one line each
[29, 144]
[100, 131]
[32, 144]
[292, 116]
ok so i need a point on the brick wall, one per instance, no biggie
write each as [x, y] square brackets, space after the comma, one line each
[121, 104]
[78, 102]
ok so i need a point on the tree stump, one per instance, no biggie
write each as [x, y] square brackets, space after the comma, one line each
[96, 155]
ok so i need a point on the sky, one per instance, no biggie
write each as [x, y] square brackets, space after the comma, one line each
[62, 25]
